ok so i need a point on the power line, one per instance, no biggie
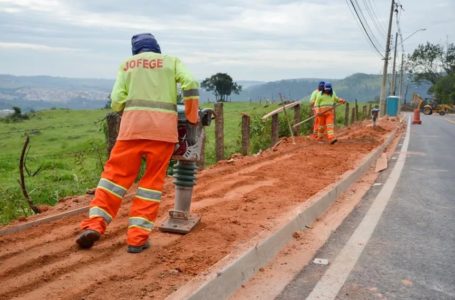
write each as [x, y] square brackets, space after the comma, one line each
[365, 30]
[365, 21]
[399, 31]
[371, 12]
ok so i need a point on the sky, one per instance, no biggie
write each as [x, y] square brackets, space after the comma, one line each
[261, 40]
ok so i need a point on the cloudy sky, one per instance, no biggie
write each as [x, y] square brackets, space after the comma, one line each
[250, 40]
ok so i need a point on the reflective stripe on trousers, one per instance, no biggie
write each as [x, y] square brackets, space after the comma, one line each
[148, 195]
[141, 223]
[96, 211]
[111, 187]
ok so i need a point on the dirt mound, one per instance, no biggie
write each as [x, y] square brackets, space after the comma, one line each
[237, 199]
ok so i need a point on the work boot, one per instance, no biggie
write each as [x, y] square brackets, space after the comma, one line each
[333, 141]
[138, 249]
[88, 238]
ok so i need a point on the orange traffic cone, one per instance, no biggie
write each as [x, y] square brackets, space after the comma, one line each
[416, 117]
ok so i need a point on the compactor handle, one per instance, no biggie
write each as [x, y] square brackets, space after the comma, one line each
[206, 116]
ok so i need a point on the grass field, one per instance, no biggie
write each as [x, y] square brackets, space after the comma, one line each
[68, 150]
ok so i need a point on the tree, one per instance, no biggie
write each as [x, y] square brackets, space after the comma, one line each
[435, 64]
[444, 89]
[222, 85]
[16, 116]
[431, 62]
[17, 112]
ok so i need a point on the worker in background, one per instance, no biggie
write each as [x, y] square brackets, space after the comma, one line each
[375, 114]
[313, 108]
[325, 105]
[145, 93]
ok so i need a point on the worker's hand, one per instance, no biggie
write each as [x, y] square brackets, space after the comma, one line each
[341, 101]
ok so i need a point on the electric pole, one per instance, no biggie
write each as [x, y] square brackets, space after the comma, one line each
[386, 62]
[394, 74]
[401, 78]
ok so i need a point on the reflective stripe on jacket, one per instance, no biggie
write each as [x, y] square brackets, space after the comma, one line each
[146, 91]
[324, 100]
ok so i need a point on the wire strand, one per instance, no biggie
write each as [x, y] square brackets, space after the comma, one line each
[364, 29]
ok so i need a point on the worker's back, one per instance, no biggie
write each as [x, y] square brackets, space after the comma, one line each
[146, 90]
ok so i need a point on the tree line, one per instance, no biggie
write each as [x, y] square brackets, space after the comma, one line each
[435, 63]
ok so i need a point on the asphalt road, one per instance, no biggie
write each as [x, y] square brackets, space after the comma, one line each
[410, 253]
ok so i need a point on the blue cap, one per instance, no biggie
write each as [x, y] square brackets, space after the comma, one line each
[321, 85]
[327, 86]
[144, 42]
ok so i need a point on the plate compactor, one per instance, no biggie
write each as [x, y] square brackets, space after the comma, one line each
[188, 152]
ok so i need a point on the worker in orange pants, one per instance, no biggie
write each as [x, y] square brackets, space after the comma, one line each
[119, 174]
[325, 103]
[313, 107]
[145, 94]
[326, 124]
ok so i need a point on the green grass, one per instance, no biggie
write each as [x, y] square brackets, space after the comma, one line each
[232, 126]
[69, 149]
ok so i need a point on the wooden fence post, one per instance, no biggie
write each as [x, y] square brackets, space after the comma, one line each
[346, 114]
[275, 128]
[245, 133]
[353, 115]
[370, 107]
[201, 162]
[297, 118]
[364, 111]
[219, 131]
[113, 125]
[356, 110]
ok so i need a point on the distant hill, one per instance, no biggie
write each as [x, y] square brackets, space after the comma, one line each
[363, 87]
[40, 92]
[44, 92]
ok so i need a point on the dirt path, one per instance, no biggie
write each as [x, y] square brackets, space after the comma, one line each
[236, 199]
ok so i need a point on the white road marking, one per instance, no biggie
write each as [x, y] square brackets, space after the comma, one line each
[335, 276]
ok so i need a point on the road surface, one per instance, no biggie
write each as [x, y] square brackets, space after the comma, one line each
[399, 243]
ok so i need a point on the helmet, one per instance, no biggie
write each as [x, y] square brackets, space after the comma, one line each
[321, 85]
[327, 86]
[144, 42]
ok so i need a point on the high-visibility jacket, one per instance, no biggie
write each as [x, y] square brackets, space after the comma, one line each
[146, 91]
[313, 96]
[324, 100]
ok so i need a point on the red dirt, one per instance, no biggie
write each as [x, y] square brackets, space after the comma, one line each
[237, 199]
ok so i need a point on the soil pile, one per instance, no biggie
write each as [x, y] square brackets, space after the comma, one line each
[236, 199]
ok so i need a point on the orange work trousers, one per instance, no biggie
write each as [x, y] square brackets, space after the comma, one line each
[315, 123]
[325, 121]
[119, 174]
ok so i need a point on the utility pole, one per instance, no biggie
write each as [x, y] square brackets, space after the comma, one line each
[386, 62]
[394, 73]
[401, 78]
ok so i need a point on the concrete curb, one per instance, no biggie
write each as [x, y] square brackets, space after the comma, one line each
[227, 275]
